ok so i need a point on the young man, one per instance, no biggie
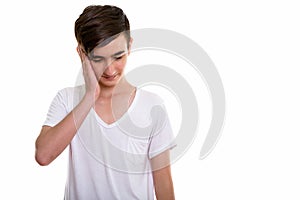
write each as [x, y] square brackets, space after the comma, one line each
[119, 135]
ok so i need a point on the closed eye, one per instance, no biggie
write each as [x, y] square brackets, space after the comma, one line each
[119, 57]
[97, 60]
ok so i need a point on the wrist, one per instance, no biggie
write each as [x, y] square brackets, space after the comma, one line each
[89, 99]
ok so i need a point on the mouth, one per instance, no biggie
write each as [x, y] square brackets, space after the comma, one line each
[109, 77]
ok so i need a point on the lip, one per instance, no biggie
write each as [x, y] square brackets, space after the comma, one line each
[109, 78]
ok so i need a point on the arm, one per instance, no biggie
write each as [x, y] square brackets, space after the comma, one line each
[162, 177]
[53, 140]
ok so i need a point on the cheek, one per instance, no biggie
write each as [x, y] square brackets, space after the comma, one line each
[120, 65]
[97, 70]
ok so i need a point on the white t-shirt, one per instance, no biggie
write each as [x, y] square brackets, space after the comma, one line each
[111, 161]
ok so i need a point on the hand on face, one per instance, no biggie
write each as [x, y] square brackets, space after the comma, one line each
[91, 82]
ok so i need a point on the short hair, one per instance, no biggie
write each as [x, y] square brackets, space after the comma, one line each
[100, 24]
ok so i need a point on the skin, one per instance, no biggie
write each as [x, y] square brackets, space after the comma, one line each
[103, 72]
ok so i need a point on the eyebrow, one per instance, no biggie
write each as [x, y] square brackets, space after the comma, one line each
[115, 54]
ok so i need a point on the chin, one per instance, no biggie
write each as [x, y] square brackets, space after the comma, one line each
[109, 83]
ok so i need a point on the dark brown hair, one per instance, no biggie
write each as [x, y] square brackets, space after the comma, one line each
[98, 24]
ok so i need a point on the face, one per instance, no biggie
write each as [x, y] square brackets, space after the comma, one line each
[112, 58]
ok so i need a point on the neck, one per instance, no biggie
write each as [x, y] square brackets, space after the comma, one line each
[122, 87]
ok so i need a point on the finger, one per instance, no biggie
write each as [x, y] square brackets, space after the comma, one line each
[80, 52]
[88, 67]
[85, 67]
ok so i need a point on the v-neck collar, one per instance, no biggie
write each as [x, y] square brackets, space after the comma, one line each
[115, 123]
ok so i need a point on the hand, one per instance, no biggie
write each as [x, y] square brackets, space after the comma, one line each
[91, 82]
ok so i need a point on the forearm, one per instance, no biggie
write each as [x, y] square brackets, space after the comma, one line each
[53, 140]
[162, 177]
[164, 189]
[166, 194]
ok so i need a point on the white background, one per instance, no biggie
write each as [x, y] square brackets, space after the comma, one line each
[255, 46]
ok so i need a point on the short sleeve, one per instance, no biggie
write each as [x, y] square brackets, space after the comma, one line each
[57, 110]
[163, 138]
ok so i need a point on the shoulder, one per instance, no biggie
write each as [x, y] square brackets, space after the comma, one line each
[149, 97]
[70, 96]
[71, 90]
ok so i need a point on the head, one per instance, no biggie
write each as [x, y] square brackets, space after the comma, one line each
[103, 34]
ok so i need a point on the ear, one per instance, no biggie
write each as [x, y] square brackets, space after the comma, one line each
[129, 45]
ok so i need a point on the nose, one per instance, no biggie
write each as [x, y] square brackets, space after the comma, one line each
[109, 69]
